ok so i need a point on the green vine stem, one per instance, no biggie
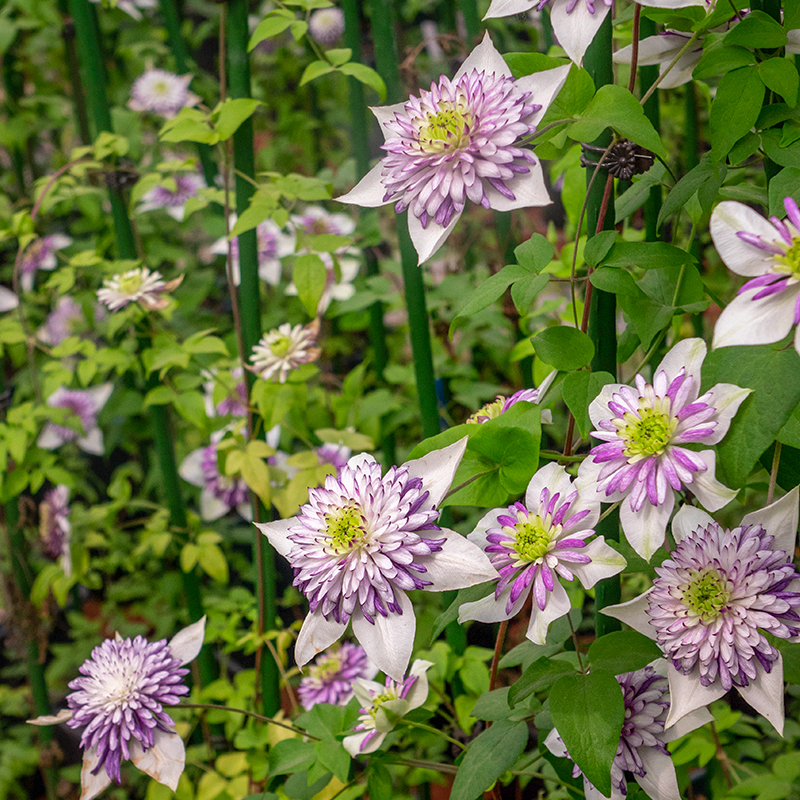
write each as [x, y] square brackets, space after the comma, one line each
[237, 34]
[472, 21]
[386, 62]
[603, 310]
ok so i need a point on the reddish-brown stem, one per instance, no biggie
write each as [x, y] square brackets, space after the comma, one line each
[498, 648]
[600, 220]
[637, 13]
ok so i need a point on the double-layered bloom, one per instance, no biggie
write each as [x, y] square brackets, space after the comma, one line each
[41, 254]
[173, 201]
[714, 599]
[362, 541]
[767, 253]
[84, 407]
[120, 699]
[642, 744]
[336, 455]
[645, 459]
[326, 25]
[285, 348]
[535, 545]
[396, 697]
[148, 289]
[501, 404]
[330, 678]
[54, 527]
[457, 142]
[62, 321]
[162, 92]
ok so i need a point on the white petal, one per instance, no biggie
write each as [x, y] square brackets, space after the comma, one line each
[487, 609]
[555, 745]
[62, 716]
[245, 510]
[488, 520]
[687, 355]
[529, 191]
[779, 519]
[765, 694]
[428, 240]
[576, 31]
[687, 521]
[557, 606]
[593, 793]
[164, 761]
[687, 723]
[436, 470]
[270, 271]
[652, 50]
[191, 468]
[353, 743]
[505, 8]
[8, 299]
[730, 218]
[459, 564]
[92, 442]
[211, 506]
[605, 562]
[390, 640]
[634, 614]
[587, 484]
[484, 58]
[316, 635]
[727, 398]
[553, 477]
[369, 191]
[659, 780]
[673, 3]
[598, 408]
[92, 785]
[687, 694]
[186, 643]
[49, 438]
[385, 114]
[100, 394]
[278, 534]
[746, 321]
[682, 71]
[418, 693]
[706, 488]
[543, 86]
[645, 529]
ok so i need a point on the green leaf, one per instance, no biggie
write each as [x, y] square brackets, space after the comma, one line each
[338, 56]
[774, 376]
[646, 255]
[298, 29]
[191, 406]
[514, 451]
[212, 561]
[492, 705]
[735, 109]
[275, 23]
[708, 175]
[720, 60]
[334, 758]
[758, 31]
[367, 76]
[563, 347]
[289, 756]
[622, 651]
[588, 711]
[780, 75]
[535, 254]
[315, 70]
[522, 64]
[615, 107]
[525, 290]
[490, 290]
[597, 247]
[490, 754]
[310, 278]
[228, 116]
[578, 390]
[379, 782]
[540, 675]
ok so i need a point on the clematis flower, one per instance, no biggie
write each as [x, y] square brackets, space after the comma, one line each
[8, 299]
[501, 404]
[317, 221]
[141, 286]
[642, 744]
[644, 460]
[120, 698]
[285, 348]
[54, 527]
[187, 185]
[662, 50]
[162, 92]
[61, 321]
[336, 455]
[714, 599]
[396, 697]
[456, 142]
[362, 541]
[235, 402]
[330, 678]
[85, 406]
[273, 245]
[220, 493]
[534, 545]
[41, 254]
[326, 25]
[767, 252]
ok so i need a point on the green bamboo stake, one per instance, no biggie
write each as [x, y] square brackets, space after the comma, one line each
[386, 62]
[647, 77]
[472, 21]
[250, 312]
[602, 314]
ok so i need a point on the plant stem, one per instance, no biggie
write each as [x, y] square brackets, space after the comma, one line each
[498, 649]
[386, 62]
[237, 35]
[73, 68]
[671, 64]
[647, 77]
[259, 717]
[431, 729]
[773, 475]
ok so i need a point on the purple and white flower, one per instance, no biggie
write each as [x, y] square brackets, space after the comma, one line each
[225, 393]
[41, 254]
[273, 245]
[767, 252]
[8, 299]
[326, 25]
[662, 50]
[534, 546]
[397, 697]
[501, 403]
[337, 455]
[642, 744]
[644, 459]
[62, 321]
[284, 349]
[173, 201]
[317, 221]
[457, 142]
[120, 698]
[148, 289]
[714, 599]
[54, 527]
[330, 678]
[362, 541]
[220, 493]
[84, 406]
[162, 92]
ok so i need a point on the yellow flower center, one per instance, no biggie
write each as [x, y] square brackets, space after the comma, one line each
[326, 671]
[347, 529]
[707, 594]
[446, 129]
[490, 410]
[280, 346]
[647, 434]
[533, 538]
[161, 88]
[790, 260]
[130, 284]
